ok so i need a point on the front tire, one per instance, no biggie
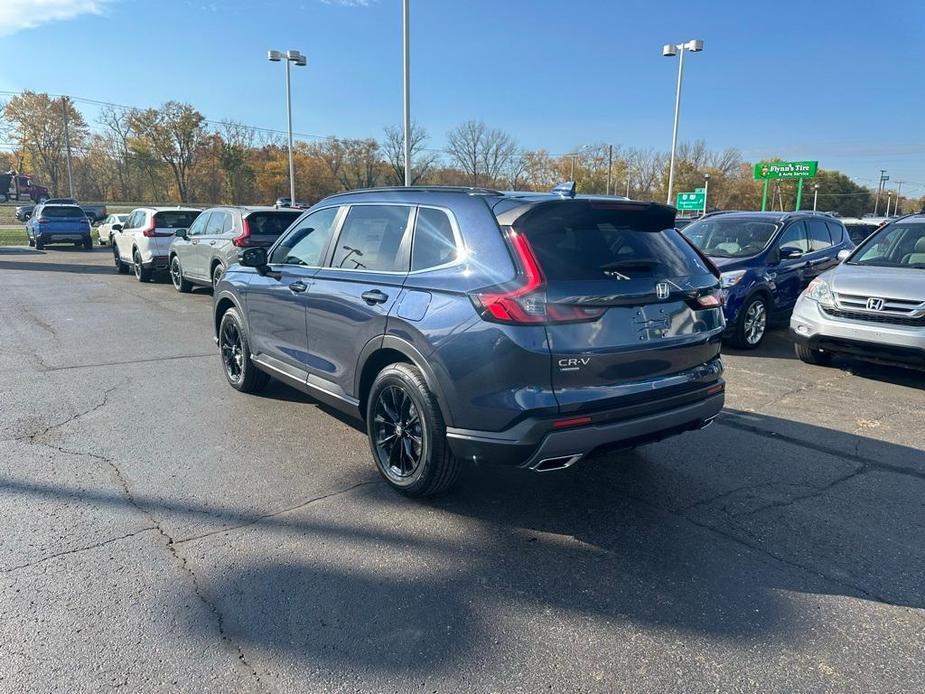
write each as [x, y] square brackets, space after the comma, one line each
[407, 434]
[39, 245]
[142, 274]
[180, 283]
[751, 323]
[239, 370]
[816, 357]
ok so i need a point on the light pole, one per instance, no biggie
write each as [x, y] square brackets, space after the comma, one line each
[609, 167]
[706, 191]
[889, 199]
[815, 195]
[406, 64]
[669, 51]
[290, 56]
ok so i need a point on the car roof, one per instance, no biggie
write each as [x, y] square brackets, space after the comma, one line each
[771, 216]
[247, 209]
[168, 209]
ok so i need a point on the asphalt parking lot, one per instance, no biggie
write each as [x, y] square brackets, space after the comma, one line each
[165, 532]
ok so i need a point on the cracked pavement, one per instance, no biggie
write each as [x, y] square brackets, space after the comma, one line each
[166, 533]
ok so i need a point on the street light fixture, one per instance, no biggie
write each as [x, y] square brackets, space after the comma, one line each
[290, 56]
[669, 51]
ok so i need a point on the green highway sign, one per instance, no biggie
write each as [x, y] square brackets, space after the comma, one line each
[690, 201]
[785, 169]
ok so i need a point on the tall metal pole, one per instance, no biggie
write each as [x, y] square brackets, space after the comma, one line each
[706, 191]
[799, 194]
[889, 199]
[674, 131]
[627, 184]
[406, 57]
[67, 144]
[899, 187]
[289, 115]
[815, 195]
[609, 167]
[879, 189]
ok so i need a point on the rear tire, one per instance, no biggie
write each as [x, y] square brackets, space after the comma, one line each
[217, 273]
[142, 274]
[31, 242]
[180, 283]
[39, 245]
[240, 371]
[751, 323]
[407, 433]
[816, 357]
[121, 268]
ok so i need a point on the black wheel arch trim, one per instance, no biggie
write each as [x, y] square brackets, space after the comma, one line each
[411, 352]
[220, 300]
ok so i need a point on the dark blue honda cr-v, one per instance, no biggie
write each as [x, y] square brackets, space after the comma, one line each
[468, 325]
[766, 260]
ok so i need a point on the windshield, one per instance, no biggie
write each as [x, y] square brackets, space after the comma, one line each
[896, 245]
[720, 237]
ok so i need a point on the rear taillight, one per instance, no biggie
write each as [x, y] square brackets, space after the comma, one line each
[243, 240]
[524, 299]
[149, 231]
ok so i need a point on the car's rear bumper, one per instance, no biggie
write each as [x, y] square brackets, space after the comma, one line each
[62, 236]
[158, 263]
[532, 442]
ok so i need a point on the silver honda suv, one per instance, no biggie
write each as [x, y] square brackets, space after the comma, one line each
[872, 306]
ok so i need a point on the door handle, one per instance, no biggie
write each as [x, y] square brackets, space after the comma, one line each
[298, 287]
[374, 296]
[194, 242]
[211, 243]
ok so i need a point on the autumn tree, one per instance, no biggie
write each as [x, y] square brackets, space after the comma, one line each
[174, 132]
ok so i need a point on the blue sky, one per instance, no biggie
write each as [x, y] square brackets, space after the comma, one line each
[835, 80]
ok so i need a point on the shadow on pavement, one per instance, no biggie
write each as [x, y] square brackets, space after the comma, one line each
[699, 543]
[77, 268]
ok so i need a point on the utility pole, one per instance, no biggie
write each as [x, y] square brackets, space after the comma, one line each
[67, 144]
[609, 167]
[883, 179]
[899, 187]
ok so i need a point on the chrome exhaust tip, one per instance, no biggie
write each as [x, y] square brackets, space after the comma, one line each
[559, 462]
[707, 422]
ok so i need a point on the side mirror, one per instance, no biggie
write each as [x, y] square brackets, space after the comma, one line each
[790, 253]
[181, 233]
[843, 255]
[116, 227]
[255, 258]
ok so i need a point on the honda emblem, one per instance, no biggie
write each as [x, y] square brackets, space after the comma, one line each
[662, 290]
[874, 304]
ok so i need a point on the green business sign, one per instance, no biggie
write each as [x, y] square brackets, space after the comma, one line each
[785, 169]
[690, 201]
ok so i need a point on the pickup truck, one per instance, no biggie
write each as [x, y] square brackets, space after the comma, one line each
[21, 187]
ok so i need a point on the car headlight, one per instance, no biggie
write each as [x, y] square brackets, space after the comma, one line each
[731, 279]
[820, 292]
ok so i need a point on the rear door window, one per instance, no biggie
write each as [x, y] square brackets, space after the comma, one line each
[836, 231]
[819, 238]
[215, 224]
[584, 243]
[372, 239]
[434, 243]
[175, 219]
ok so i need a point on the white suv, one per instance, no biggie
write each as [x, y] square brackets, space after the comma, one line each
[143, 242]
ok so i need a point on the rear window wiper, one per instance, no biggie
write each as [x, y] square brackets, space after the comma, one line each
[638, 262]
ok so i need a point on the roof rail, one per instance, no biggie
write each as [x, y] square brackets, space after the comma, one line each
[471, 190]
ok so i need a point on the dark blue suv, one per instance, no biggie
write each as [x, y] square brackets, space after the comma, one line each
[766, 260]
[472, 326]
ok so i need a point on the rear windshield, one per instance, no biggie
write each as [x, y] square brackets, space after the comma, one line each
[179, 219]
[859, 232]
[730, 237]
[62, 212]
[597, 244]
[271, 222]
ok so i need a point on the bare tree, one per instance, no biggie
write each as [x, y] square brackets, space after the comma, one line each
[480, 151]
[236, 144]
[118, 131]
[353, 163]
[394, 150]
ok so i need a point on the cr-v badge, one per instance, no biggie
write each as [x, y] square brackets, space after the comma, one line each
[573, 363]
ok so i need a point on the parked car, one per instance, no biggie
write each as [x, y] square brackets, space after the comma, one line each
[859, 228]
[201, 254]
[104, 230]
[766, 259]
[871, 306]
[95, 212]
[19, 186]
[142, 243]
[467, 325]
[59, 224]
[23, 212]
